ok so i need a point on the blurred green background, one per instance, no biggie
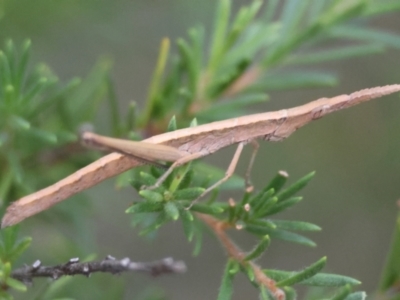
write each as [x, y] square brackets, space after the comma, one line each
[356, 154]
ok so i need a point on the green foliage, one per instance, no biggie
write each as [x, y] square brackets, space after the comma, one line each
[249, 215]
[391, 273]
[305, 274]
[11, 249]
[250, 53]
[226, 288]
[259, 249]
[37, 113]
[320, 279]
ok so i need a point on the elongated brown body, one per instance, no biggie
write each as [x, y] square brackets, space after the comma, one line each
[204, 140]
[142, 151]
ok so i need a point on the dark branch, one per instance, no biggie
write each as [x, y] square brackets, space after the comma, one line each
[108, 265]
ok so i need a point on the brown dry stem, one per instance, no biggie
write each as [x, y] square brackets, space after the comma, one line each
[219, 228]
